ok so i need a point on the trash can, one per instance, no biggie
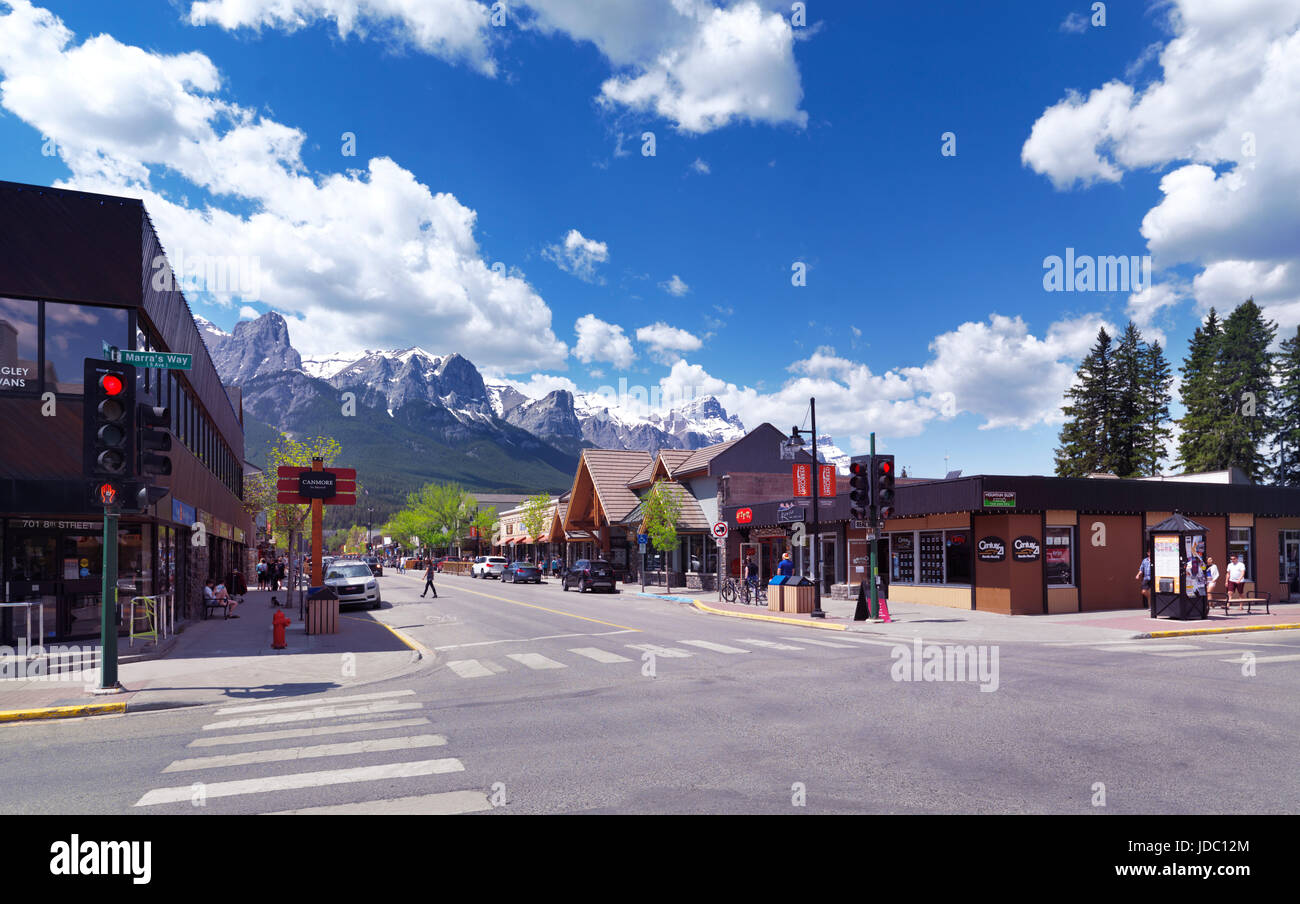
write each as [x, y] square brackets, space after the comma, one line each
[797, 595]
[322, 611]
[776, 593]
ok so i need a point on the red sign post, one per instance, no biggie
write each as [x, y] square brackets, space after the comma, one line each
[289, 483]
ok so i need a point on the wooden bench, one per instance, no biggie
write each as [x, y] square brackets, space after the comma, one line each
[1221, 598]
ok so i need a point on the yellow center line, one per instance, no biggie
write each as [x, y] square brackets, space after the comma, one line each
[545, 609]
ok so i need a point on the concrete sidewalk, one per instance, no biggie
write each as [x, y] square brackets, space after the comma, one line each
[912, 620]
[220, 661]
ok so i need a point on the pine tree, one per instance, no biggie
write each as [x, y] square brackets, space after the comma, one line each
[1286, 411]
[1085, 435]
[1156, 381]
[1198, 441]
[1244, 372]
[1128, 412]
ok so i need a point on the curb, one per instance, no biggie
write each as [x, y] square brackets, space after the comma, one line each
[754, 616]
[1192, 632]
[420, 649]
[62, 712]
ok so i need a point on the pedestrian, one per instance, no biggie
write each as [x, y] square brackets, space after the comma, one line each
[428, 582]
[787, 565]
[751, 571]
[1144, 575]
[1236, 578]
[261, 574]
[1211, 575]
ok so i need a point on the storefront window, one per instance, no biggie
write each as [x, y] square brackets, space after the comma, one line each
[74, 332]
[902, 558]
[710, 557]
[1239, 545]
[1058, 556]
[930, 555]
[18, 343]
[957, 546]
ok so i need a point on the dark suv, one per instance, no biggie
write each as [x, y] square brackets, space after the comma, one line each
[588, 574]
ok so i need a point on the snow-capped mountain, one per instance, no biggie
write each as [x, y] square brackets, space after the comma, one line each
[447, 393]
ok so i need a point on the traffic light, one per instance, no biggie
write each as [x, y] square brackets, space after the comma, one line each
[152, 437]
[882, 466]
[108, 415]
[860, 481]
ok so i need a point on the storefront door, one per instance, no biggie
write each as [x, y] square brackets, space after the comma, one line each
[826, 562]
[1291, 562]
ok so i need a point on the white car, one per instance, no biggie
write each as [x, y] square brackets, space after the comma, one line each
[489, 567]
[354, 582]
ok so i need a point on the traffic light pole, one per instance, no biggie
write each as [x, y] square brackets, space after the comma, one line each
[108, 606]
[816, 541]
[875, 600]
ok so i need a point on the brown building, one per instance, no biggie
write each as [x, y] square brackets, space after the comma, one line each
[79, 272]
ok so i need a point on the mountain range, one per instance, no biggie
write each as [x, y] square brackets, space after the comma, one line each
[419, 416]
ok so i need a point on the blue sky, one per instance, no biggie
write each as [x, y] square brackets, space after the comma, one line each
[923, 316]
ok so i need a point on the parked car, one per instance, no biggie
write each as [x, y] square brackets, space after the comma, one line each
[522, 573]
[488, 567]
[354, 582]
[588, 574]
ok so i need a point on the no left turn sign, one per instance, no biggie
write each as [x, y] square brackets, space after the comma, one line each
[720, 530]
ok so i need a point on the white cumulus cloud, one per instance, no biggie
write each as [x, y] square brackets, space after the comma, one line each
[667, 343]
[578, 255]
[601, 341]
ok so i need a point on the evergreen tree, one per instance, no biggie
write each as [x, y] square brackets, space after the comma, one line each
[1156, 381]
[1127, 438]
[1085, 435]
[1244, 372]
[1286, 411]
[1204, 404]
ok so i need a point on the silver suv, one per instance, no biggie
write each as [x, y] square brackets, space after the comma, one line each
[488, 567]
[354, 582]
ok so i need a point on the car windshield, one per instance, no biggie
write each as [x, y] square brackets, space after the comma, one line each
[348, 571]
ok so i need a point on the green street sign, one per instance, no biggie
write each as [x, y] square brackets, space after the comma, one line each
[164, 360]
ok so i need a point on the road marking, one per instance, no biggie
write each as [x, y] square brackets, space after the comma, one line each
[448, 803]
[305, 732]
[297, 780]
[536, 661]
[261, 707]
[770, 644]
[374, 745]
[665, 652]
[1295, 657]
[1148, 647]
[878, 643]
[488, 643]
[715, 647]
[822, 643]
[475, 668]
[324, 712]
[599, 655]
[1202, 653]
[503, 599]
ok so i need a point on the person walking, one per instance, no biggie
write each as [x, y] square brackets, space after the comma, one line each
[1144, 575]
[428, 582]
[261, 574]
[751, 572]
[786, 567]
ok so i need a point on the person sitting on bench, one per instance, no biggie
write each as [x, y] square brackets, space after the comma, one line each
[222, 598]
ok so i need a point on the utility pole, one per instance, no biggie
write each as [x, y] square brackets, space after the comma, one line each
[875, 599]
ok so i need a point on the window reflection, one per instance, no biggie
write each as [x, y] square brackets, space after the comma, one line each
[18, 340]
[74, 332]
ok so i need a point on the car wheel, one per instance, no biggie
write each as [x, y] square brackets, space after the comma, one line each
[377, 604]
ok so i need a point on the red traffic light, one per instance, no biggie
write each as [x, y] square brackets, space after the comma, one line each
[111, 384]
[858, 467]
[886, 467]
[107, 494]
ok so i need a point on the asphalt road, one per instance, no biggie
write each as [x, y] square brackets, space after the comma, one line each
[540, 701]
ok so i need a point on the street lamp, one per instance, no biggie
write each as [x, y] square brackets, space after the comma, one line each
[796, 440]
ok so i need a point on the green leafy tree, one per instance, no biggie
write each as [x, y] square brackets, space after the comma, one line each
[1126, 441]
[537, 512]
[1203, 402]
[1286, 411]
[1085, 435]
[485, 523]
[1156, 382]
[661, 511]
[439, 514]
[1244, 371]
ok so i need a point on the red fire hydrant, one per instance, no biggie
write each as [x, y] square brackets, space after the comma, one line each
[278, 624]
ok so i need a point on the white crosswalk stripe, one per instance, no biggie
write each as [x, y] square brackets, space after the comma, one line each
[345, 728]
[372, 745]
[665, 652]
[598, 654]
[770, 644]
[710, 645]
[315, 701]
[1294, 657]
[475, 668]
[822, 643]
[302, 780]
[448, 803]
[320, 712]
[536, 661]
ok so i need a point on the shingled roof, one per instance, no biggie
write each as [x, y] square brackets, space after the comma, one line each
[611, 470]
[700, 458]
[692, 516]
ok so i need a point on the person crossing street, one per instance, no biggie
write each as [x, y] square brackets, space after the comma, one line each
[428, 582]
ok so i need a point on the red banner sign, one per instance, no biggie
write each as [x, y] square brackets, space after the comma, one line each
[803, 480]
[827, 488]
[286, 472]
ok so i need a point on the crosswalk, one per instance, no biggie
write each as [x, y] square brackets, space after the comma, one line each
[1236, 654]
[483, 667]
[321, 733]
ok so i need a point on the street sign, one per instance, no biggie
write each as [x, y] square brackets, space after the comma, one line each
[316, 484]
[640, 547]
[164, 360]
[720, 530]
[642, 540]
[744, 516]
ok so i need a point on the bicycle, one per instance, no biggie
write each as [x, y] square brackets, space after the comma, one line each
[730, 590]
